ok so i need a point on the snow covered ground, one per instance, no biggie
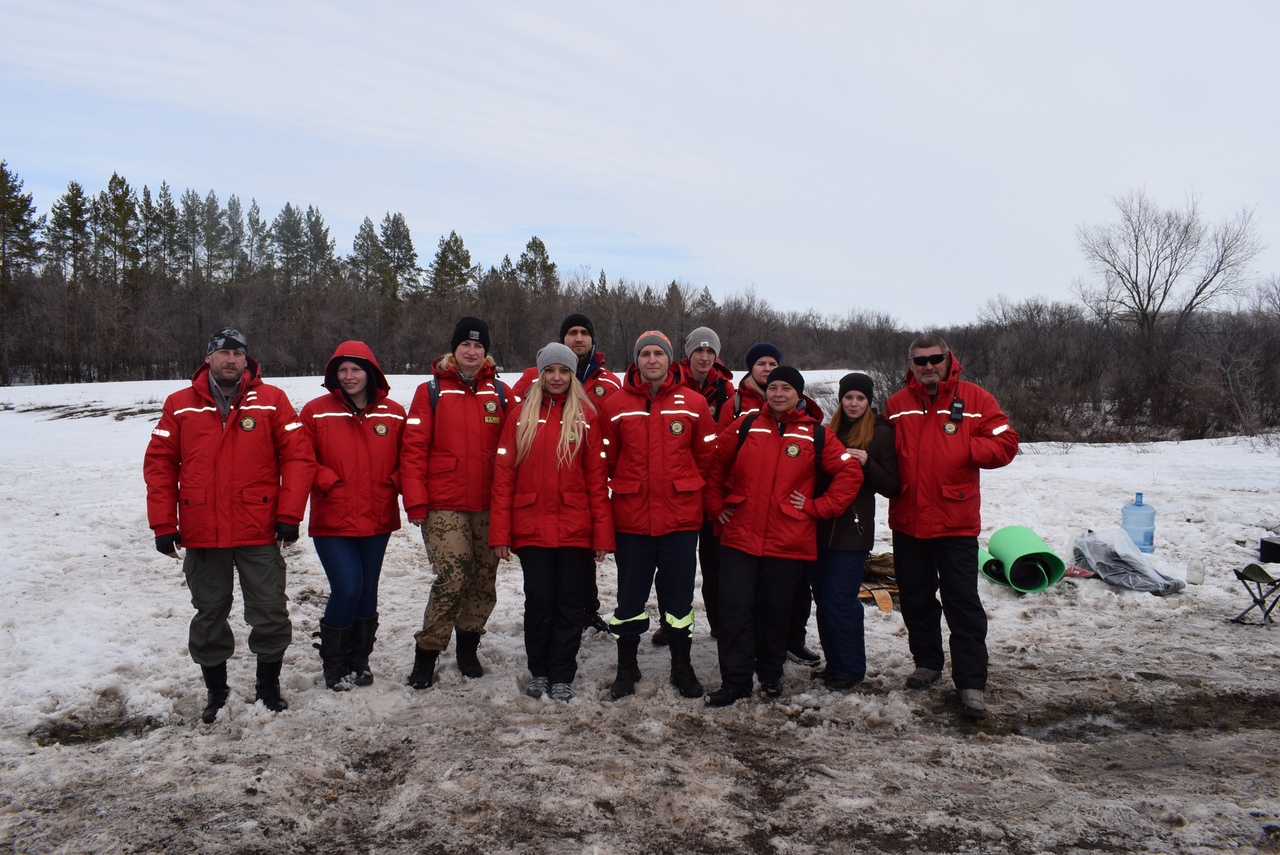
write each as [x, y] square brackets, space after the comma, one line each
[1120, 721]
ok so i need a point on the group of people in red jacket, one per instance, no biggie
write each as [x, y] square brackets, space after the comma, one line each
[663, 466]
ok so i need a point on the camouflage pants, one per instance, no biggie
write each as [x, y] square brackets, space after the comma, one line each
[465, 590]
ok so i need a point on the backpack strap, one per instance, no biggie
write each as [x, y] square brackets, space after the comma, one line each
[433, 390]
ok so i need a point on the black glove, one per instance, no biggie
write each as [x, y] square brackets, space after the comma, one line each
[167, 544]
[286, 533]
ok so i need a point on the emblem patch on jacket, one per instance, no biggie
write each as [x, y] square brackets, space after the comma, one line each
[677, 428]
[248, 423]
[793, 450]
[949, 428]
[380, 429]
[599, 391]
[490, 407]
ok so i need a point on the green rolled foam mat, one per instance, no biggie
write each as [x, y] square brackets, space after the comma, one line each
[1025, 561]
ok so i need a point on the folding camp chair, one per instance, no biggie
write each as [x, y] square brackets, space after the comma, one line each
[1263, 589]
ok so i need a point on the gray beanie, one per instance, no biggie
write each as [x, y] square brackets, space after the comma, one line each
[702, 337]
[556, 353]
[653, 337]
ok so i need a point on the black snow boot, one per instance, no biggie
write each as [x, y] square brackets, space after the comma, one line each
[215, 680]
[363, 633]
[424, 667]
[628, 668]
[468, 662]
[682, 675]
[267, 686]
[333, 656]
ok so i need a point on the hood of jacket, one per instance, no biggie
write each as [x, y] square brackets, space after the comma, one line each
[359, 350]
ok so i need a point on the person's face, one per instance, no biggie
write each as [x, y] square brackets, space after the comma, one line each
[760, 371]
[701, 361]
[653, 363]
[556, 379]
[227, 366]
[854, 404]
[934, 369]
[469, 356]
[782, 397]
[578, 340]
[352, 378]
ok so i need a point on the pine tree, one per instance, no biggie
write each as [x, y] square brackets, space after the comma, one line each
[368, 259]
[118, 228]
[402, 258]
[168, 221]
[191, 235]
[257, 239]
[536, 270]
[289, 244]
[213, 231]
[320, 249]
[67, 237]
[450, 273]
[237, 260]
[19, 226]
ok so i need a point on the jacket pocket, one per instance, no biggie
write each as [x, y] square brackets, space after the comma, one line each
[259, 504]
[442, 463]
[624, 487]
[689, 484]
[195, 518]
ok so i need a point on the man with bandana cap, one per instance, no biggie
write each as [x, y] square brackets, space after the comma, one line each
[228, 470]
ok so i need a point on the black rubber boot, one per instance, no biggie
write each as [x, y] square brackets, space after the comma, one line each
[468, 662]
[682, 675]
[660, 637]
[424, 667]
[267, 686]
[333, 646]
[363, 633]
[215, 680]
[628, 668]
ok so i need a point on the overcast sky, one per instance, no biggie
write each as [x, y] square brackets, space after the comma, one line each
[909, 158]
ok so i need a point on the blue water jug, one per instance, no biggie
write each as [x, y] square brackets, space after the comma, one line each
[1139, 522]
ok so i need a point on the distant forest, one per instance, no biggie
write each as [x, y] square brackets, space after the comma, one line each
[1172, 335]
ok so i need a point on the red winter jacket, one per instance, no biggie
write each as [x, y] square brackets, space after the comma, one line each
[446, 455]
[600, 382]
[660, 448]
[539, 503]
[357, 454]
[223, 486]
[716, 388]
[937, 463]
[748, 400]
[757, 480]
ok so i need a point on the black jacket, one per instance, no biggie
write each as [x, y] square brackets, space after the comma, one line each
[854, 530]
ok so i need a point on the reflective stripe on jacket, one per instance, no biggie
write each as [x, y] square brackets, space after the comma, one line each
[357, 455]
[223, 486]
[537, 502]
[446, 454]
[660, 448]
[939, 458]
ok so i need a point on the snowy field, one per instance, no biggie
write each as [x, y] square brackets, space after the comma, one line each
[1120, 721]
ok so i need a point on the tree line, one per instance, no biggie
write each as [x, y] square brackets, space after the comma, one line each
[1171, 335]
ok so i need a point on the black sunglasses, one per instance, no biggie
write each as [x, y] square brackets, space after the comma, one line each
[931, 359]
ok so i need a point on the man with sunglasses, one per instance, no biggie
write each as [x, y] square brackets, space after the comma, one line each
[946, 430]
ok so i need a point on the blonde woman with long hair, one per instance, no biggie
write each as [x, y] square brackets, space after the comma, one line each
[551, 506]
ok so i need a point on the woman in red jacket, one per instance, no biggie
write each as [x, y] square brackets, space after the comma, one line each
[551, 505]
[355, 430]
[763, 493]
[446, 474]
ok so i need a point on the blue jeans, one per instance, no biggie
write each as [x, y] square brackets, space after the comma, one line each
[353, 565]
[836, 579]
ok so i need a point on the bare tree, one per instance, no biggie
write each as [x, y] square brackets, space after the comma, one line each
[1155, 270]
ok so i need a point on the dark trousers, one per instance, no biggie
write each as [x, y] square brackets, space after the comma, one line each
[353, 565]
[756, 599]
[947, 565]
[801, 609]
[836, 579]
[709, 559]
[590, 588]
[211, 579]
[667, 561]
[553, 609]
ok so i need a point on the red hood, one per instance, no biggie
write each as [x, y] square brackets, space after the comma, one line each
[488, 370]
[946, 387]
[359, 350]
[252, 377]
